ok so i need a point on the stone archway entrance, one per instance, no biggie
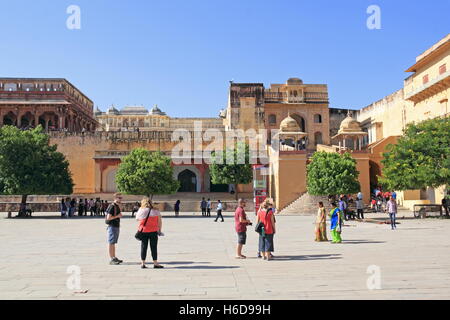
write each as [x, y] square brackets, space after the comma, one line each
[188, 181]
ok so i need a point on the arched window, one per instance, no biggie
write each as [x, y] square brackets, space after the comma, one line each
[272, 119]
[318, 138]
[317, 118]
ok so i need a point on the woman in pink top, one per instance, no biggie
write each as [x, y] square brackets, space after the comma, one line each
[150, 223]
[265, 215]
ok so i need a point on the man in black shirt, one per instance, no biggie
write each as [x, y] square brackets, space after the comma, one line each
[113, 220]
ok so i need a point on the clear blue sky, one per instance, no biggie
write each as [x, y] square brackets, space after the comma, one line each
[181, 54]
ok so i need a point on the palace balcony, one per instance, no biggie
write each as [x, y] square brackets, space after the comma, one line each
[429, 89]
[307, 97]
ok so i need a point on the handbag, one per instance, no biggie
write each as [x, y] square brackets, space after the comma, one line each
[140, 234]
[259, 228]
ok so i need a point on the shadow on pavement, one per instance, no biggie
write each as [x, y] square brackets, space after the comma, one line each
[360, 241]
[206, 267]
[308, 257]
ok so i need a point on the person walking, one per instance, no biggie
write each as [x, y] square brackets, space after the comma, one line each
[391, 208]
[113, 215]
[219, 211]
[336, 226]
[67, 202]
[321, 224]
[360, 208]
[150, 223]
[266, 216]
[203, 207]
[176, 207]
[208, 208]
[241, 222]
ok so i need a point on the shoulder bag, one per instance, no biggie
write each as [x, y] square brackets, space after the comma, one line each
[259, 228]
[140, 234]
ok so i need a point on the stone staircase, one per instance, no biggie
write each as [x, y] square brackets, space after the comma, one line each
[306, 204]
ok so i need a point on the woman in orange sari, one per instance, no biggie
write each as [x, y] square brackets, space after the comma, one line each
[321, 224]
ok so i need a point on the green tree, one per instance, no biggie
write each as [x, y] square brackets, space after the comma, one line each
[146, 173]
[332, 174]
[231, 166]
[421, 157]
[30, 165]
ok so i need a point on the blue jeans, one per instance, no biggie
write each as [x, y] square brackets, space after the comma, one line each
[392, 217]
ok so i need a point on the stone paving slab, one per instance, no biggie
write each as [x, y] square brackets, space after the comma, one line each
[198, 254]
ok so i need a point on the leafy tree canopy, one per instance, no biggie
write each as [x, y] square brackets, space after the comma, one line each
[146, 173]
[30, 165]
[332, 174]
[232, 166]
[421, 158]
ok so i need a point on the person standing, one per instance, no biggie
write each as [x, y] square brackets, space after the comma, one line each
[241, 222]
[391, 208]
[67, 202]
[208, 208]
[266, 216]
[92, 207]
[203, 207]
[113, 220]
[80, 207]
[336, 226]
[150, 223]
[63, 208]
[135, 209]
[98, 207]
[177, 208]
[360, 208]
[86, 206]
[321, 224]
[73, 204]
[219, 211]
[445, 204]
[343, 207]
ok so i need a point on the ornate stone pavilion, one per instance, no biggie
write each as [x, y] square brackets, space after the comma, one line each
[56, 104]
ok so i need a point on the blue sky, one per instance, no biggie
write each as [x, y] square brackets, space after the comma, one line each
[182, 54]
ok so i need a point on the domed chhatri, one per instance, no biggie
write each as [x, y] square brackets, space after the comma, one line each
[350, 129]
[289, 125]
[156, 111]
[350, 125]
[294, 81]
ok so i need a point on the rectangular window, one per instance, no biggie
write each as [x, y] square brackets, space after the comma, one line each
[425, 79]
[443, 68]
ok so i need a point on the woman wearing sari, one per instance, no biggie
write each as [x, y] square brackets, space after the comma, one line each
[321, 224]
[336, 218]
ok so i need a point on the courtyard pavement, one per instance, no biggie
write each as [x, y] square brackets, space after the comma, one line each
[198, 255]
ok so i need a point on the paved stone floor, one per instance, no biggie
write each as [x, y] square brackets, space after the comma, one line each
[198, 254]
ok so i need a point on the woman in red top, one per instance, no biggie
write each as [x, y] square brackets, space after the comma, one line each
[150, 223]
[266, 216]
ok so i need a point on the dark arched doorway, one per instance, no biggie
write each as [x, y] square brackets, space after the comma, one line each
[375, 172]
[188, 181]
[301, 122]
